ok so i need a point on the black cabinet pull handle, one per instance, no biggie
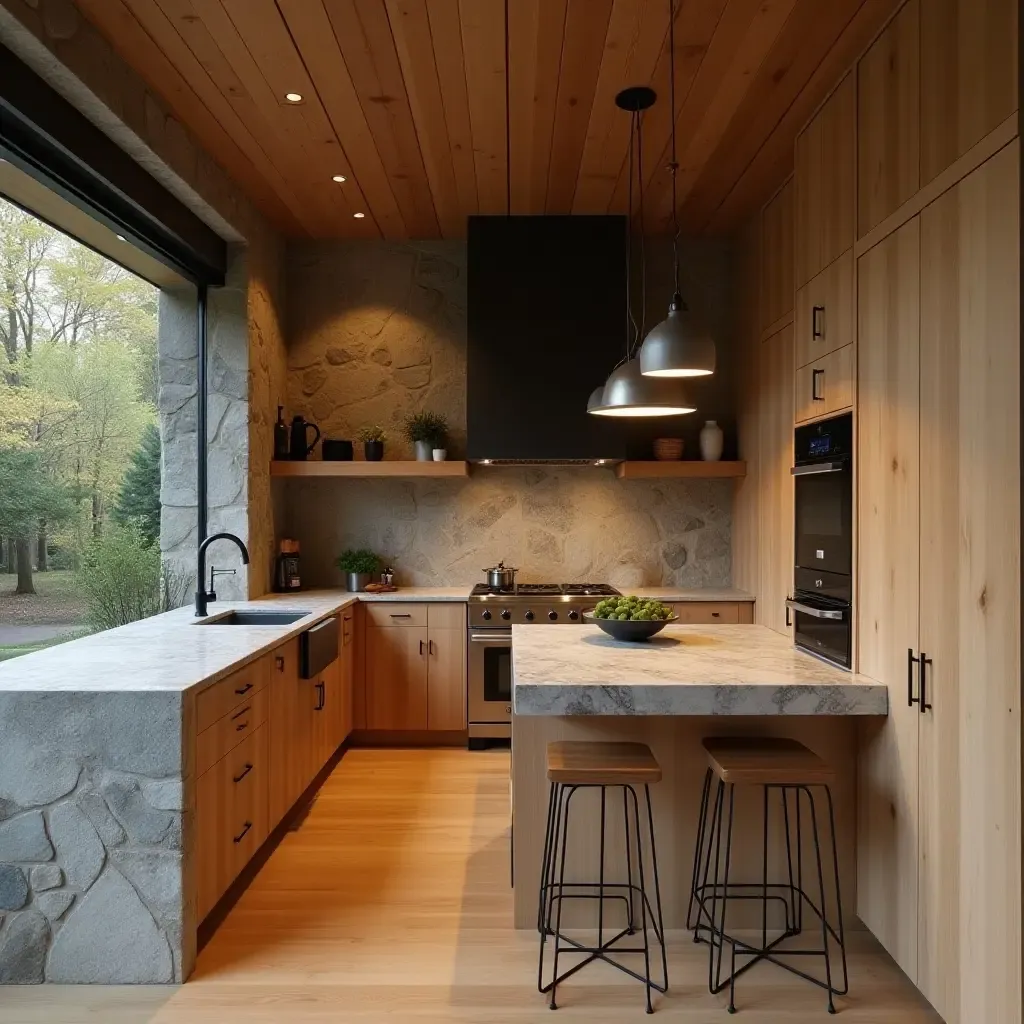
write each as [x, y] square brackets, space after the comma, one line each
[911, 662]
[244, 711]
[279, 663]
[400, 615]
[789, 620]
[245, 689]
[241, 726]
[430, 647]
[816, 375]
[321, 697]
[245, 771]
[421, 647]
[241, 835]
[817, 329]
[923, 704]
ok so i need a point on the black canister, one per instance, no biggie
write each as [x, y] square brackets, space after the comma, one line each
[336, 451]
[282, 439]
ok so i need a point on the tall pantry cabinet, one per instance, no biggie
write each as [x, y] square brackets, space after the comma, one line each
[939, 610]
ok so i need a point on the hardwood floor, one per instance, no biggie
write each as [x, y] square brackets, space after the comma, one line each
[391, 903]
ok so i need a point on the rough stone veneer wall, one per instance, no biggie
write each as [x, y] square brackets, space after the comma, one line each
[91, 820]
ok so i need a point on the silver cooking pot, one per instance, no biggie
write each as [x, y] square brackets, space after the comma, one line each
[500, 578]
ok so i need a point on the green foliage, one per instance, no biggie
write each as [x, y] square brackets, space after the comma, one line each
[27, 494]
[357, 560]
[139, 499]
[120, 577]
[373, 433]
[427, 426]
[634, 608]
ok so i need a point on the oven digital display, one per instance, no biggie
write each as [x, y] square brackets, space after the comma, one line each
[820, 445]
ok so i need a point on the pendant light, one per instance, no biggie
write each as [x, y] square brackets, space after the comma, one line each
[678, 346]
[627, 392]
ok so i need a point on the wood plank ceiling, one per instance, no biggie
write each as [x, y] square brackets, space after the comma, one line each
[409, 100]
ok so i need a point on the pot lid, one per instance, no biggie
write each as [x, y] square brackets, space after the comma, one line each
[500, 567]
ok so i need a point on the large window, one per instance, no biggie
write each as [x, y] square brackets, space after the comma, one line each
[80, 446]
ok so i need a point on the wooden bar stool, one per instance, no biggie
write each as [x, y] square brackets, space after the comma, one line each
[790, 768]
[573, 766]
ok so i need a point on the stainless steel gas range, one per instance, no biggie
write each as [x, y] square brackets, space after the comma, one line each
[492, 614]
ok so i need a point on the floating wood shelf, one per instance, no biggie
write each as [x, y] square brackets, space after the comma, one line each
[692, 469]
[367, 469]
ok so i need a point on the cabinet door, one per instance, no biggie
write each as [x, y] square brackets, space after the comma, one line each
[824, 311]
[970, 560]
[446, 680]
[889, 120]
[706, 613]
[332, 712]
[288, 722]
[777, 257]
[775, 459]
[968, 76]
[825, 386]
[825, 188]
[888, 482]
[396, 677]
[347, 672]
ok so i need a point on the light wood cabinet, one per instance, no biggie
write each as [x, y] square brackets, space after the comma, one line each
[712, 613]
[775, 460]
[968, 76]
[825, 386]
[777, 262]
[824, 311]
[347, 669]
[889, 120]
[939, 841]
[416, 673]
[824, 184]
[293, 735]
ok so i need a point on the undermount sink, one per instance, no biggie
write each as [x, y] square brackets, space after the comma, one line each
[251, 617]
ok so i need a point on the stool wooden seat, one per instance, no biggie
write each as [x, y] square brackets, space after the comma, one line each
[766, 761]
[595, 763]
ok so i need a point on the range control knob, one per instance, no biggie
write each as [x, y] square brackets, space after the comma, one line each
[552, 615]
[528, 616]
[485, 615]
[506, 614]
[574, 615]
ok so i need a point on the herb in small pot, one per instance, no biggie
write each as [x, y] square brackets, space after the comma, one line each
[373, 439]
[359, 566]
[426, 431]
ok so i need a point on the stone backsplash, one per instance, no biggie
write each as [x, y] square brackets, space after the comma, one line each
[566, 523]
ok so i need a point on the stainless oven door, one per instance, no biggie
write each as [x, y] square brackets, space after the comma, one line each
[823, 501]
[821, 626]
[490, 675]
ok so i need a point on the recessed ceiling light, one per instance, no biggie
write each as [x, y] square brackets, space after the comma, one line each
[293, 97]
[339, 178]
[359, 216]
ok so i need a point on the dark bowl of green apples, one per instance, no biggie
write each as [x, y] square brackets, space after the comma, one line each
[630, 618]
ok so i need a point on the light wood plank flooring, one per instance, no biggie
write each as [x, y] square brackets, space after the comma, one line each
[392, 903]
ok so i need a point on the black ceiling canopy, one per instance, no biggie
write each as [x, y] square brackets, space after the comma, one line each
[46, 137]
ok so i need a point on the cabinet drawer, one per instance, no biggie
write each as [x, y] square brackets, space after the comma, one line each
[231, 816]
[824, 311]
[825, 386]
[219, 699]
[394, 614]
[706, 612]
[446, 616]
[227, 732]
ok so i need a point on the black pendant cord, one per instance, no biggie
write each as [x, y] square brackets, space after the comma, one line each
[508, 125]
[677, 296]
[632, 331]
[643, 249]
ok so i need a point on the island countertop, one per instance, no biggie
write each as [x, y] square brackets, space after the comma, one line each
[685, 670]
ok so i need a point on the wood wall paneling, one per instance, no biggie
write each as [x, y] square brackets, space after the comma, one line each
[889, 119]
[968, 76]
[888, 444]
[777, 266]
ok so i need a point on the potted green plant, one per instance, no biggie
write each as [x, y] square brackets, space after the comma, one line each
[373, 439]
[359, 566]
[426, 431]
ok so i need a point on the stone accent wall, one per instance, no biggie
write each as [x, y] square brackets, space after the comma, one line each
[566, 524]
[91, 822]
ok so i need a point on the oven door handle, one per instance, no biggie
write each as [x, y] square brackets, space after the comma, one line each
[816, 613]
[819, 467]
[490, 638]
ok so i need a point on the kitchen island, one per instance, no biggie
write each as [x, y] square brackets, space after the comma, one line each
[686, 683]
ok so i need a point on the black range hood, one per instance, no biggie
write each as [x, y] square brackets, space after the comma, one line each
[546, 323]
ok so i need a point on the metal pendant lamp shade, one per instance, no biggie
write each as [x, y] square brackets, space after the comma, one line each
[678, 346]
[627, 392]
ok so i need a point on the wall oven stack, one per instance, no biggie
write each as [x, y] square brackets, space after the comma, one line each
[492, 613]
[821, 606]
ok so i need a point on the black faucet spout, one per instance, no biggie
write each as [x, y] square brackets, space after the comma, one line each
[202, 596]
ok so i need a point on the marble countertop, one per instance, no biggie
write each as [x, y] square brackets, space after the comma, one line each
[687, 594]
[174, 652]
[685, 670]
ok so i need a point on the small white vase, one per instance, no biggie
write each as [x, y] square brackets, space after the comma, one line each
[422, 451]
[711, 441]
[440, 454]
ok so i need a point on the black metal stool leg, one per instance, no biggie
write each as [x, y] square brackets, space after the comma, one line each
[561, 894]
[725, 904]
[544, 870]
[630, 923]
[660, 927]
[547, 895]
[839, 899]
[698, 852]
[791, 906]
[643, 899]
[824, 899]
[714, 830]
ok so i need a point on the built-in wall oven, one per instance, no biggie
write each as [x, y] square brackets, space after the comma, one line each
[820, 609]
